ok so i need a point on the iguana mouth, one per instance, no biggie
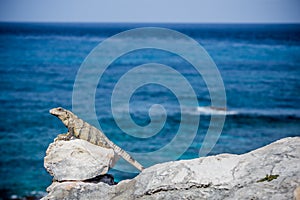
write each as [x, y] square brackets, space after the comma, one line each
[53, 112]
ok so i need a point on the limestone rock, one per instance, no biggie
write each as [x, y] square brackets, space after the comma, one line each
[77, 160]
[271, 172]
[78, 190]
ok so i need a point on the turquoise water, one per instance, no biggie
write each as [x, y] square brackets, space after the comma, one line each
[259, 65]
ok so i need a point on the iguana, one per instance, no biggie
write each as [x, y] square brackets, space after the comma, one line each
[83, 130]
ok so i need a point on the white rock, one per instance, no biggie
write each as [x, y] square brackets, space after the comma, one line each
[223, 176]
[78, 160]
[78, 190]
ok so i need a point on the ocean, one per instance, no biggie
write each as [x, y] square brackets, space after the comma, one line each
[39, 62]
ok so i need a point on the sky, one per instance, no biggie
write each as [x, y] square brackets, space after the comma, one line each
[147, 11]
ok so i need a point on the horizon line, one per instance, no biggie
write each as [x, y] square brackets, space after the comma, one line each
[120, 22]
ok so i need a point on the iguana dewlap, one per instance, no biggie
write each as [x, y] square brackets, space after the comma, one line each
[83, 130]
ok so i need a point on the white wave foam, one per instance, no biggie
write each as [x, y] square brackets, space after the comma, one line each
[207, 110]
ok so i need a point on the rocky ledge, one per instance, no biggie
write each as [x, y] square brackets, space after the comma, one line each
[271, 172]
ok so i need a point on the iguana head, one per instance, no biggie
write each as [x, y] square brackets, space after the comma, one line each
[63, 114]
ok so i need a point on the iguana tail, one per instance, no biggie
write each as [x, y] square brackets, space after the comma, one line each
[126, 156]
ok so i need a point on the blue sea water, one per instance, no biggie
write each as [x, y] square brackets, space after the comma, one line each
[259, 64]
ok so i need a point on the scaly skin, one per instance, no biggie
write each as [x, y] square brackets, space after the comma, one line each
[81, 129]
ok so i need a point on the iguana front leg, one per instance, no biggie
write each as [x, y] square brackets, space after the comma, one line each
[65, 136]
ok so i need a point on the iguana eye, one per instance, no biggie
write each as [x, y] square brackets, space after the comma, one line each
[59, 109]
